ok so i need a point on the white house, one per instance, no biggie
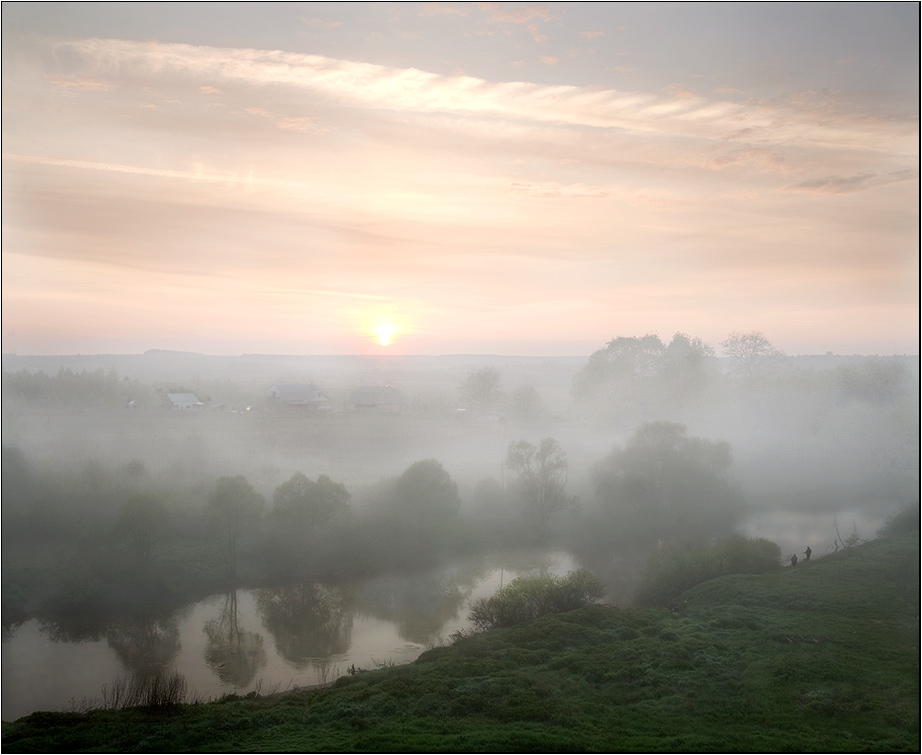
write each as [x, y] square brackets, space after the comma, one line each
[184, 402]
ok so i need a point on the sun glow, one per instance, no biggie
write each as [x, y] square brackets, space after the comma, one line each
[384, 332]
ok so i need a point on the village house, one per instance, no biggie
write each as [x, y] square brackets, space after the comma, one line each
[377, 398]
[298, 397]
[184, 402]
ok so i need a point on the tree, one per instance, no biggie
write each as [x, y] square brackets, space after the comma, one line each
[232, 508]
[527, 598]
[750, 353]
[142, 522]
[524, 403]
[542, 471]
[480, 389]
[302, 522]
[426, 496]
[635, 378]
[305, 504]
[664, 484]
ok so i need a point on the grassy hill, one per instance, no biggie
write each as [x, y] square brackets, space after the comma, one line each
[818, 658]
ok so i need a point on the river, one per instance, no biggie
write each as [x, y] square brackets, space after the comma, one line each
[265, 640]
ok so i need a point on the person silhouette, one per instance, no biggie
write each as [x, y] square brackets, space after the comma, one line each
[808, 553]
[794, 560]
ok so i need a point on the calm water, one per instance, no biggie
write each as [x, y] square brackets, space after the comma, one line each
[271, 638]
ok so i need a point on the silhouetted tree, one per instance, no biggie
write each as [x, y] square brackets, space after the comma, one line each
[303, 503]
[664, 484]
[542, 472]
[233, 508]
[750, 353]
[524, 403]
[631, 379]
[142, 522]
[480, 389]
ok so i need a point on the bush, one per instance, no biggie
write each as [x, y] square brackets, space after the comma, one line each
[902, 522]
[674, 569]
[527, 598]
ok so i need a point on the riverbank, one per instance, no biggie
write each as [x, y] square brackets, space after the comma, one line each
[818, 658]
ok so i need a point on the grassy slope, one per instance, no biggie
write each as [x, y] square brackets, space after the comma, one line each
[821, 658]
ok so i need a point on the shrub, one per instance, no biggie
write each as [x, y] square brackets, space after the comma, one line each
[153, 690]
[676, 568]
[906, 520]
[527, 598]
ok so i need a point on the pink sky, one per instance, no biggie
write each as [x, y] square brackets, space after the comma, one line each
[222, 192]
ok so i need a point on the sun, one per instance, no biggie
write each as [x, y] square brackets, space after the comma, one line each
[384, 331]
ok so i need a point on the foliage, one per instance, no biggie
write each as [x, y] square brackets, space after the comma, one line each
[527, 598]
[480, 390]
[300, 502]
[750, 353]
[542, 472]
[142, 522]
[146, 690]
[525, 403]
[665, 484]
[673, 569]
[426, 495]
[635, 378]
[876, 381]
[902, 522]
[232, 510]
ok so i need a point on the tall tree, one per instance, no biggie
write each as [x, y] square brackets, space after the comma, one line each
[233, 508]
[143, 521]
[641, 378]
[542, 478]
[750, 353]
[664, 484]
[480, 390]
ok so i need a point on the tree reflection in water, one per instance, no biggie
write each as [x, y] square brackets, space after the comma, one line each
[308, 620]
[145, 644]
[420, 604]
[234, 654]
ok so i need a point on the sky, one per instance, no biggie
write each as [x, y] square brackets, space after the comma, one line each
[502, 178]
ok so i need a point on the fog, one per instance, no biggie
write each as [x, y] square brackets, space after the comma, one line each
[294, 518]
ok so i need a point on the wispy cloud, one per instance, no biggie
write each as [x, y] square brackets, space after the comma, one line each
[77, 83]
[851, 184]
[411, 90]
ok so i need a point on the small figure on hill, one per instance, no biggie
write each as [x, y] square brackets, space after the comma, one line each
[794, 560]
[808, 553]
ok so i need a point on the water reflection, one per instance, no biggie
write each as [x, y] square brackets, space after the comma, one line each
[234, 654]
[419, 604]
[308, 620]
[145, 644]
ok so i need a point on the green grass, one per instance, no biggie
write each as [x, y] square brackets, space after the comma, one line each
[818, 658]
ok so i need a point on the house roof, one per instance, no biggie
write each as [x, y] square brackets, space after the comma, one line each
[297, 393]
[183, 398]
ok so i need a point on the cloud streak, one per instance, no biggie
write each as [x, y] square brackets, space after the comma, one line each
[682, 114]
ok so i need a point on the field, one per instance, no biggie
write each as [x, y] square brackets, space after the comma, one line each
[818, 658]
